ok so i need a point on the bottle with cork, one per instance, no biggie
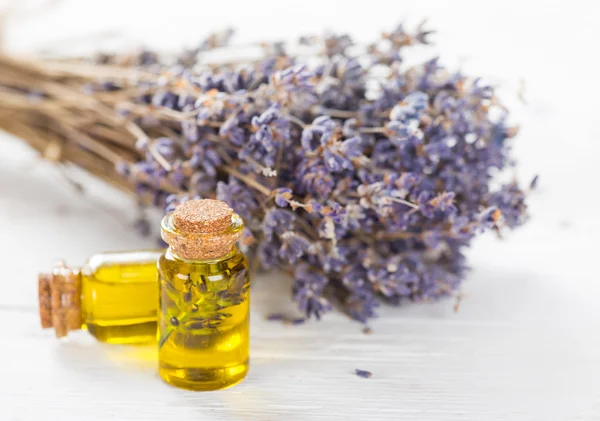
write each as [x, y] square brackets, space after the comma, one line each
[203, 322]
[114, 296]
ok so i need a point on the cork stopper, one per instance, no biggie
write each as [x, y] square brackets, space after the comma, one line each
[202, 216]
[202, 229]
[59, 295]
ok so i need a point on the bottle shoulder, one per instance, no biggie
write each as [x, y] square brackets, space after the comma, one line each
[233, 262]
[125, 267]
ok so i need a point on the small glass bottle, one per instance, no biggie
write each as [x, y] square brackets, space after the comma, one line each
[114, 296]
[204, 318]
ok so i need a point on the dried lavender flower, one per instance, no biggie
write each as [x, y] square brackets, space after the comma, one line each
[366, 186]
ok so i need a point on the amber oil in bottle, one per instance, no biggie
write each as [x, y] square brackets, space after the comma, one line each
[204, 298]
[113, 296]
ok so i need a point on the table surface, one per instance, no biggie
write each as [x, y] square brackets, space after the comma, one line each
[524, 344]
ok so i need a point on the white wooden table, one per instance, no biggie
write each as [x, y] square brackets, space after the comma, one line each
[525, 344]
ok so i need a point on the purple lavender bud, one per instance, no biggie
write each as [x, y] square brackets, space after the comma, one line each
[432, 239]
[142, 144]
[166, 148]
[490, 216]
[350, 128]
[201, 183]
[122, 168]
[534, 182]
[334, 210]
[277, 221]
[294, 79]
[336, 162]
[268, 253]
[312, 206]
[293, 246]
[190, 131]
[308, 290]
[361, 305]
[231, 131]
[411, 107]
[363, 373]
[352, 147]
[177, 177]
[172, 198]
[444, 202]
[321, 128]
[510, 201]
[275, 317]
[283, 196]
[314, 179]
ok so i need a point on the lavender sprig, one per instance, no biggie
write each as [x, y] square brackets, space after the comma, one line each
[367, 188]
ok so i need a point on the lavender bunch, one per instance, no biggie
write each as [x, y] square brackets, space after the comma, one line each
[364, 178]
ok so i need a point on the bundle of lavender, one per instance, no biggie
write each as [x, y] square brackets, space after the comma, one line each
[364, 178]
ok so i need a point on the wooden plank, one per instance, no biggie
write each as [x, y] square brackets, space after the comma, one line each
[423, 368]
[523, 345]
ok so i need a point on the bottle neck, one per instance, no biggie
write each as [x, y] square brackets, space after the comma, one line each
[172, 252]
[201, 246]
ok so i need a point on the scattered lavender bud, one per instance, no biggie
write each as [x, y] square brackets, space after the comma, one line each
[534, 182]
[363, 373]
[286, 319]
[275, 317]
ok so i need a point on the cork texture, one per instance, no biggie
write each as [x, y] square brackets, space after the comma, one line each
[202, 230]
[59, 296]
[202, 216]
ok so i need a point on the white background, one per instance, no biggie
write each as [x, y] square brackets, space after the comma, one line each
[525, 344]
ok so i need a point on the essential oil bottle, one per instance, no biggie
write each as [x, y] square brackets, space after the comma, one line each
[203, 329]
[114, 296]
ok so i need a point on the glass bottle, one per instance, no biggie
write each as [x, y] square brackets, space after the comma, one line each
[114, 296]
[204, 323]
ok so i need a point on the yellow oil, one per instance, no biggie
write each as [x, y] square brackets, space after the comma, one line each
[119, 296]
[204, 321]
